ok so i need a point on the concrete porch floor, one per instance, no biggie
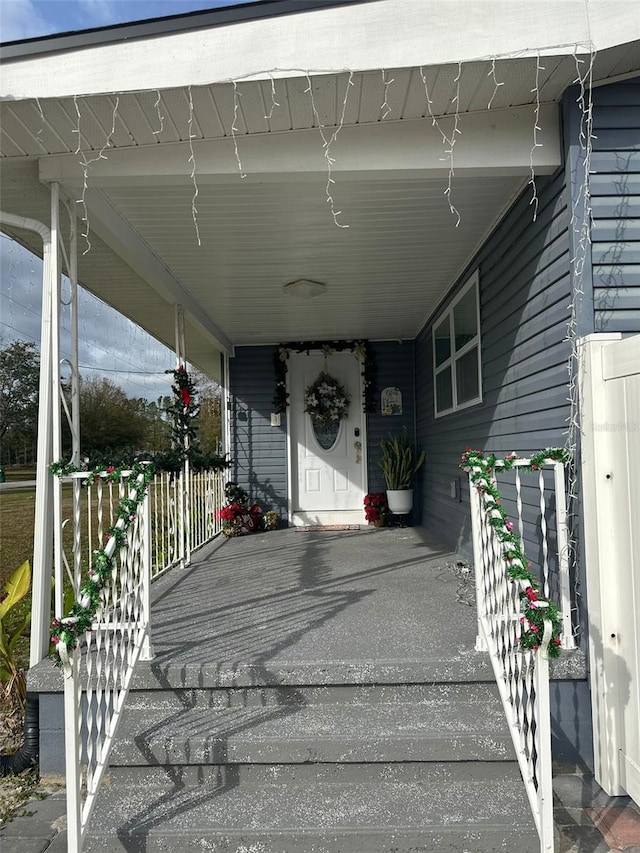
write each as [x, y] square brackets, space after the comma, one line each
[326, 600]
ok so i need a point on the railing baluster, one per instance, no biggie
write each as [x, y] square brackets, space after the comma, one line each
[543, 530]
[519, 507]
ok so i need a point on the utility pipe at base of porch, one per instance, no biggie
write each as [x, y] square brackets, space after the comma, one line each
[28, 754]
[43, 529]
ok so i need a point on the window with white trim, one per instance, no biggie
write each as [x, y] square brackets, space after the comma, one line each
[457, 370]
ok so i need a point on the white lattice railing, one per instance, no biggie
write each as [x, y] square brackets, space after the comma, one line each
[98, 673]
[523, 676]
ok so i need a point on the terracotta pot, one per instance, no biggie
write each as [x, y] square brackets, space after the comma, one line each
[380, 521]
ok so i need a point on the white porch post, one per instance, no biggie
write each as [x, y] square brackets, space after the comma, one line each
[185, 504]
[43, 529]
[478, 565]
[75, 370]
[225, 406]
[56, 392]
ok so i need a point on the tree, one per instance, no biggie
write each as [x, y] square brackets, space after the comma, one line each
[210, 417]
[19, 378]
[109, 420]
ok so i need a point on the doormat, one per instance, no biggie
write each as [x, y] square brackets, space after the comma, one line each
[307, 528]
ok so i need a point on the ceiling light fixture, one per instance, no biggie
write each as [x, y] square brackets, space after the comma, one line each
[303, 288]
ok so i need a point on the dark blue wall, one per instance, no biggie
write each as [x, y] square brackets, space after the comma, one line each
[258, 450]
[524, 297]
[393, 368]
[615, 191]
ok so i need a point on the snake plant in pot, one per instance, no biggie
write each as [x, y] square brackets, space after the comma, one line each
[400, 462]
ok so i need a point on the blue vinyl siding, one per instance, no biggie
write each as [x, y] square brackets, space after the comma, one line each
[393, 368]
[615, 198]
[524, 297]
[258, 450]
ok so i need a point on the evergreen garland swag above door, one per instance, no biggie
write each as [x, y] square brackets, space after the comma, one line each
[360, 348]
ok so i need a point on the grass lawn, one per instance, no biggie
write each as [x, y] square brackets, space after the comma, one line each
[17, 510]
[17, 472]
[17, 516]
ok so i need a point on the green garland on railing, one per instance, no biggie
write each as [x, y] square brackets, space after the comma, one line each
[536, 608]
[70, 628]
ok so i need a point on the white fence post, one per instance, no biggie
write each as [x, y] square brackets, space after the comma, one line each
[146, 652]
[543, 745]
[72, 747]
[474, 500]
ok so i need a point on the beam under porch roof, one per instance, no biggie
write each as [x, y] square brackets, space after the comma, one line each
[492, 142]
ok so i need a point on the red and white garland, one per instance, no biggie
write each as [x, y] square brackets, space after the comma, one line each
[536, 609]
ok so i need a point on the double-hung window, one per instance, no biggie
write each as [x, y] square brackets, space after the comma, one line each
[457, 376]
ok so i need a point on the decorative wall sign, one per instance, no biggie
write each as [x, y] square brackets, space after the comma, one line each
[391, 401]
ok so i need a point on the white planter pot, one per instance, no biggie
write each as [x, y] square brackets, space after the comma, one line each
[400, 502]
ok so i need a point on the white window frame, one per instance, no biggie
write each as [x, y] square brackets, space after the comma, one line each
[455, 355]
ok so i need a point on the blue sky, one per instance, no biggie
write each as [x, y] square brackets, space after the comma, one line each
[110, 345]
[20, 19]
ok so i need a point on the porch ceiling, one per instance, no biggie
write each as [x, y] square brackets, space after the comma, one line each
[385, 273]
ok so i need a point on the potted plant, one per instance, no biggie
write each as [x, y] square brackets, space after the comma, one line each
[400, 462]
[376, 508]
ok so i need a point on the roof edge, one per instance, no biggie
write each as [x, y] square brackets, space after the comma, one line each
[148, 28]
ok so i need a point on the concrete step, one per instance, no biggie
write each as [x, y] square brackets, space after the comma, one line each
[338, 724]
[467, 695]
[461, 665]
[446, 807]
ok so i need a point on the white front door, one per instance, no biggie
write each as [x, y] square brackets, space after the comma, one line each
[327, 471]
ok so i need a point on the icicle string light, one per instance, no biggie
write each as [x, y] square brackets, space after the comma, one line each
[385, 109]
[110, 135]
[192, 161]
[580, 225]
[446, 140]
[274, 103]
[42, 120]
[536, 129]
[496, 84]
[85, 178]
[454, 135]
[327, 143]
[234, 127]
[86, 163]
[449, 140]
[159, 114]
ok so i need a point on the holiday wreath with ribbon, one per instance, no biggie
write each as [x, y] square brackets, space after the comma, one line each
[326, 400]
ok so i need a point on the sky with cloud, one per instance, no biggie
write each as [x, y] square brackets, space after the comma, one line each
[110, 344]
[21, 19]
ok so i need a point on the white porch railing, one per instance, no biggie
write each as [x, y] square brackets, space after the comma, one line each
[97, 674]
[169, 545]
[523, 676]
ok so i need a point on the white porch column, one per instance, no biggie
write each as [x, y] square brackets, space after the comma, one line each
[56, 398]
[185, 503]
[43, 529]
